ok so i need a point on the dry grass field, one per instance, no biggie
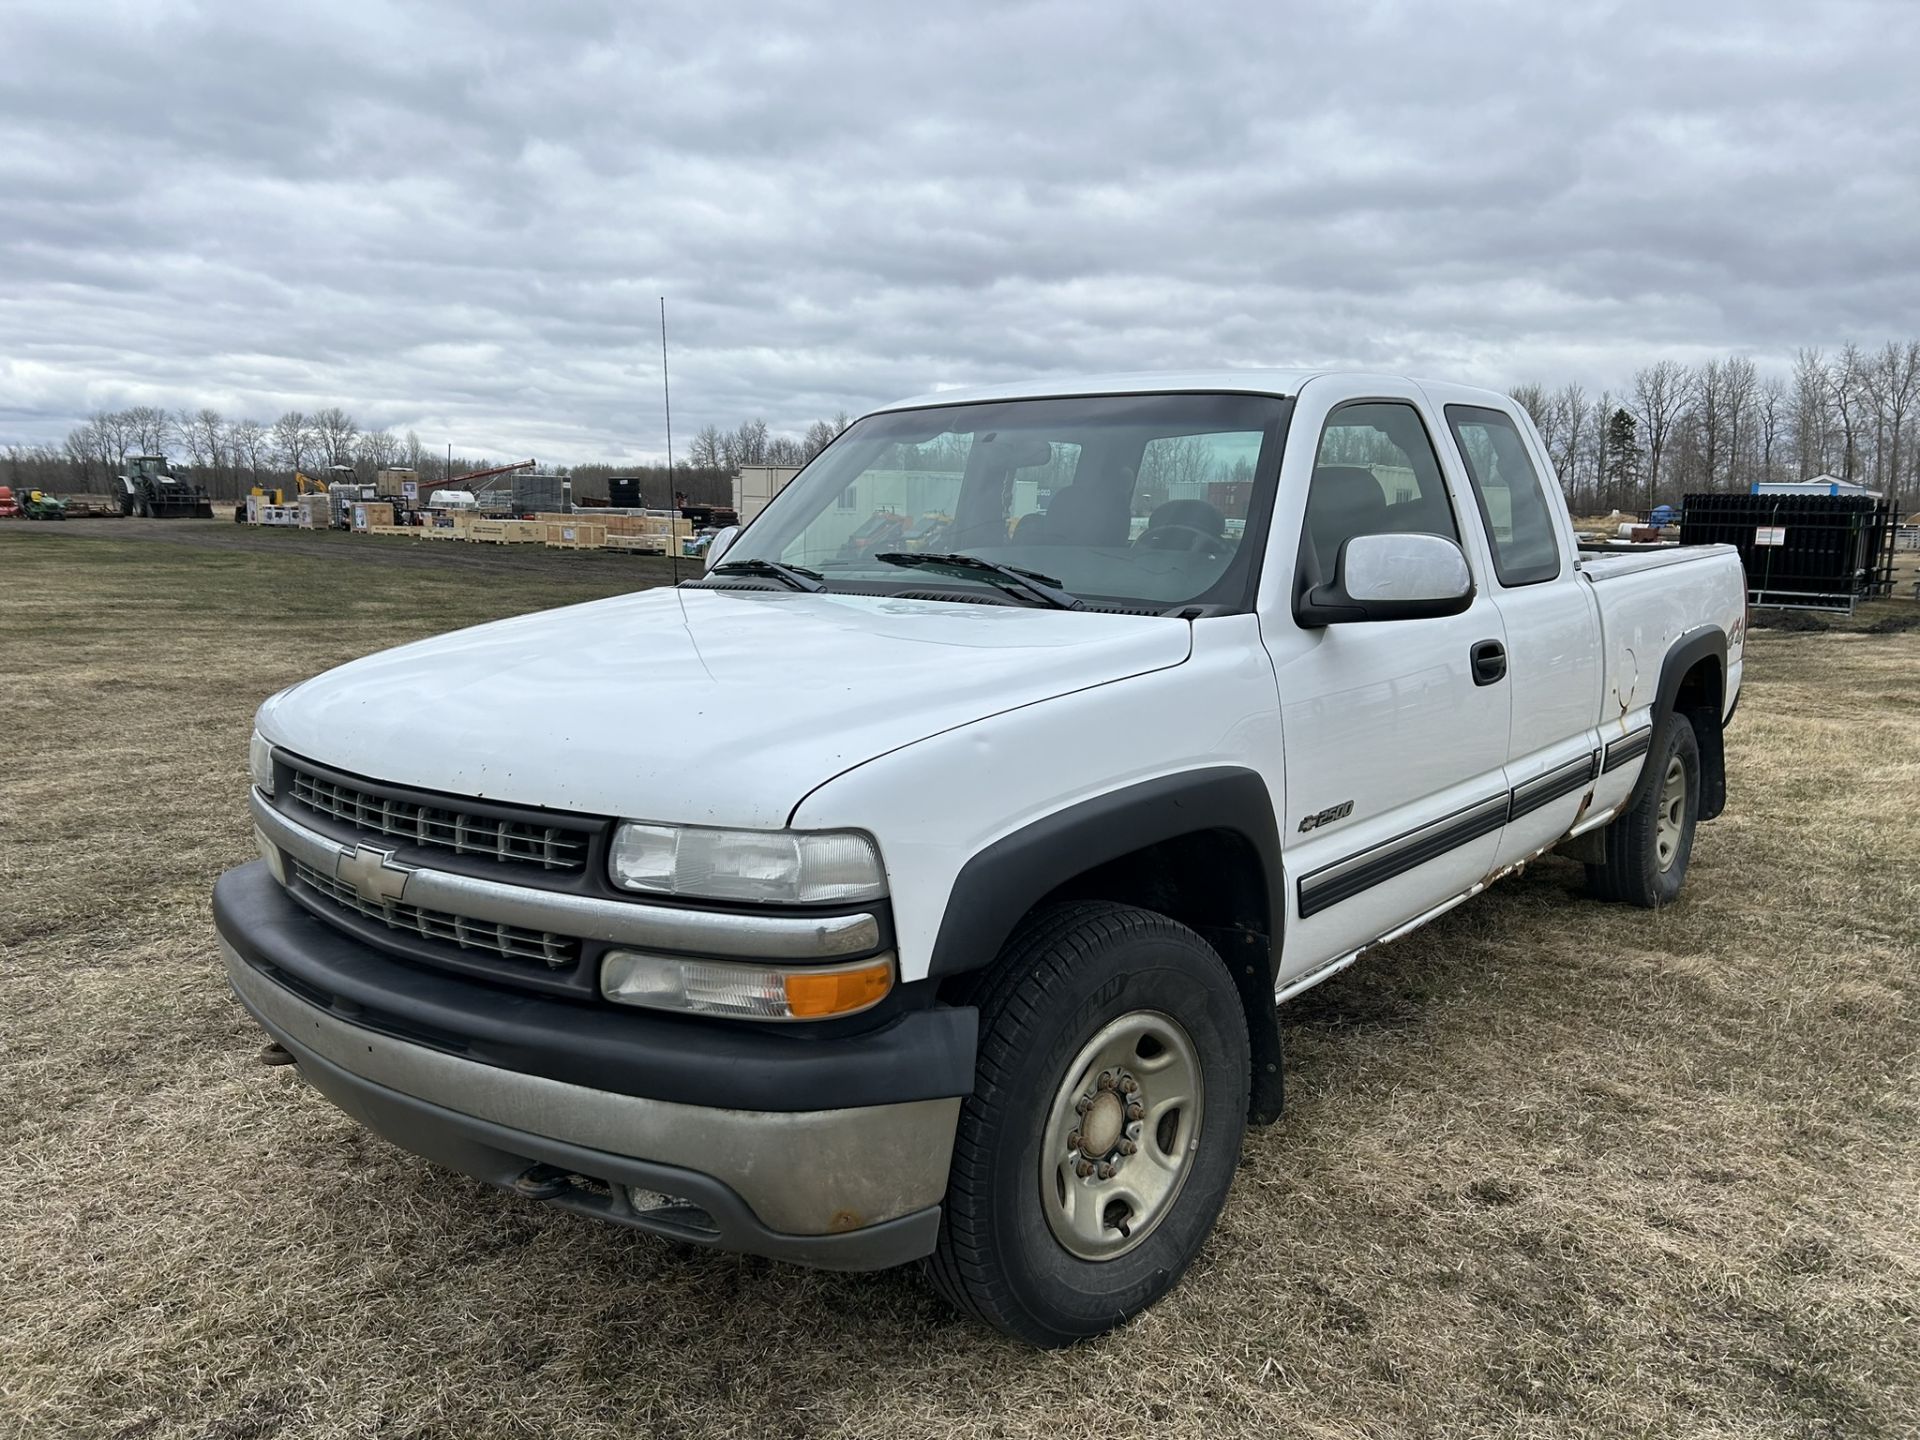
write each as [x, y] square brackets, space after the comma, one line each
[1548, 1167]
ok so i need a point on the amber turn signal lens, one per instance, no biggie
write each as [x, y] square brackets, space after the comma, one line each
[839, 991]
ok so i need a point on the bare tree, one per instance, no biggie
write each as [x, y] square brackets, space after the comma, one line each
[379, 449]
[116, 429]
[334, 431]
[149, 429]
[746, 445]
[1659, 396]
[209, 437]
[1569, 409]
[819, 435]
[1892, 380]
[413, 454]
[89, 450]
[1771, 410]
[1708, 395]
[1741, 382]
[1532, 397]
[1843, 384]
[1812, 418]
[708, 450]
[292, 440]
[248, 441]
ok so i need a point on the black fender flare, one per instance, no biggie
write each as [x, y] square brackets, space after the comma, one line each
[1008, 878]
[1708, 642]
[1005, 880]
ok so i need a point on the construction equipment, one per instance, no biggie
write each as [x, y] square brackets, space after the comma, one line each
[151, 489]
[9, 507]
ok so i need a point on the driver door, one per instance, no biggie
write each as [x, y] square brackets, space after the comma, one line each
[1394, 748]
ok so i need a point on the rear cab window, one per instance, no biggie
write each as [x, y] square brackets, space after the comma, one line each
[1510, 493]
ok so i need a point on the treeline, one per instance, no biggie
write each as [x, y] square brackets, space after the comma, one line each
[229, 457]
[1674, 429]
[1723, 425]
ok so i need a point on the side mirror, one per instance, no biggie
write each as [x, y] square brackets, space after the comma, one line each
[717, 546]
[1390, 577]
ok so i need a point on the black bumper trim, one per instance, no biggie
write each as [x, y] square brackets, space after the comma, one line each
[498, 1154]
[922, 1055]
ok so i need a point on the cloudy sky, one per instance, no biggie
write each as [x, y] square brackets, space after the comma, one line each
[458, 217]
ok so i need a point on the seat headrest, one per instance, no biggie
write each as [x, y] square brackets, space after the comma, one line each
[1080, 515]
[1192, 514]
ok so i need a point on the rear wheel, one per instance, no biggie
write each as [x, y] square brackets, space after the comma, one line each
[1098, 1145]
[1649, 846]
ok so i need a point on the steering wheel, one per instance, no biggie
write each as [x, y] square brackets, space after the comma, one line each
[1188, 538]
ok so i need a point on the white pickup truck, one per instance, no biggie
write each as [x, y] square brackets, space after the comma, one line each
[921, 879]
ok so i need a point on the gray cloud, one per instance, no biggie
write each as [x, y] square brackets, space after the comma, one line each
[458, 217]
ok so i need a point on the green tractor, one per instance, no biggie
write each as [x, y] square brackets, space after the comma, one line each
[39, 505]
[151, 489]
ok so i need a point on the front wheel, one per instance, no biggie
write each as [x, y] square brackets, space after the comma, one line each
[1648, 847]
[1098, 1145]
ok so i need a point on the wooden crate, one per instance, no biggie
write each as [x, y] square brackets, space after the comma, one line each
[369, 515]
[638, 544]
[393, 530]
[575, 535]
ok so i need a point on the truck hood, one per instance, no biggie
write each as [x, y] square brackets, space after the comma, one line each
[697, 706]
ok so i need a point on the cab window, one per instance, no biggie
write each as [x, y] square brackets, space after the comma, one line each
[1375, 473]
[1511, 496]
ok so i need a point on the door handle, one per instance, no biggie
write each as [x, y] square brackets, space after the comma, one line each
[1489, 662]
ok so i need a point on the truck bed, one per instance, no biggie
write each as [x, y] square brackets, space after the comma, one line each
[1676, 592]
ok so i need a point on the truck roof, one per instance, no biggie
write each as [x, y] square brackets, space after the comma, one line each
[1284, 383]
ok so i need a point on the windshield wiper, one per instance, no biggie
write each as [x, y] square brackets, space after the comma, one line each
[794, 577]
[1011, 578]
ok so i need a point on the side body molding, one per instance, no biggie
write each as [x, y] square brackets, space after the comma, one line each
[1000, 884]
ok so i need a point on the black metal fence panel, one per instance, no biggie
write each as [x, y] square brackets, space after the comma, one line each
[1826, 549]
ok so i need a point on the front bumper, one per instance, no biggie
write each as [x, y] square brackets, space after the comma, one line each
[851, 1185]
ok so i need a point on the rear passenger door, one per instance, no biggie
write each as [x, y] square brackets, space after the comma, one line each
[1394, 755]
[1551, 620]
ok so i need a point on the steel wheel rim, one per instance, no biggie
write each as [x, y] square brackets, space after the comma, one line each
[1136, 1163]
[1673, 814]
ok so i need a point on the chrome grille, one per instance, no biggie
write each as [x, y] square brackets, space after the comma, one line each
[508, 941]
[551, 847]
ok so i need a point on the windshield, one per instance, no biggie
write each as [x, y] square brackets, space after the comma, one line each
[1144, 502]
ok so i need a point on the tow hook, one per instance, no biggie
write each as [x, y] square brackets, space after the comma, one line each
[542, 1182]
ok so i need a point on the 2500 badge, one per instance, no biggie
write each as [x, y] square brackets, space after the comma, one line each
[1327, 816]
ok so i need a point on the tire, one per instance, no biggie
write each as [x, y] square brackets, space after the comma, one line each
[1136, 992]
[1648, 847]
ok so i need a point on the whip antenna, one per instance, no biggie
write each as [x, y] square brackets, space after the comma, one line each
[673, 505]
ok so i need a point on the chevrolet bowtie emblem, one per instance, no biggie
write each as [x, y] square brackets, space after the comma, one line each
[373, 874]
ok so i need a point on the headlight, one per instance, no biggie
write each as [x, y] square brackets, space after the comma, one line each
[260, 762]
[782, 867]
[747, 992]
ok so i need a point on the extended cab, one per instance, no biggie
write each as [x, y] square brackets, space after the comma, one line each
[920, 881]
